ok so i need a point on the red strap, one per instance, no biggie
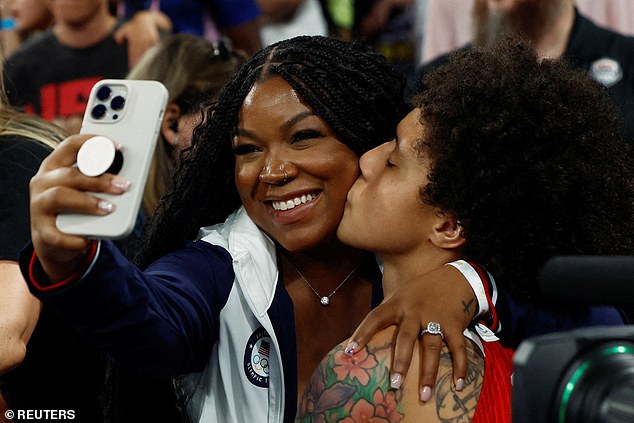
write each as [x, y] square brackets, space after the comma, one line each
[75, 275]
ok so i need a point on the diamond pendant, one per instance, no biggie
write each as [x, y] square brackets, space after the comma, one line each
[324, 301]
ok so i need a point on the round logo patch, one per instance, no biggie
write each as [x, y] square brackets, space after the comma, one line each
[256, 358]
[606, 71]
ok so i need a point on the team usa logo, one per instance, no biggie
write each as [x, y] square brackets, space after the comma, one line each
[256, 358]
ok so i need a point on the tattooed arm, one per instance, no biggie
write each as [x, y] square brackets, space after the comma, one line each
[353, 388]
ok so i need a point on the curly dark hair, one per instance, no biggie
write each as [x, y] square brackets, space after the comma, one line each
[527, 155]
[349, 85]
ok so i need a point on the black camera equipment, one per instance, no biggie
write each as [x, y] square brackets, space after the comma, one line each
[585, 375]
[605, 280]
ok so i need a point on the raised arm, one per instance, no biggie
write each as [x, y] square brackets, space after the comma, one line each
[142, 32]
[162, 321]
[456, 297]
[60, 187]
[345, 388]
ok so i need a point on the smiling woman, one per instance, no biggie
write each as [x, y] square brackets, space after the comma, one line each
[231, 287]
[293, 196]
[267, 180]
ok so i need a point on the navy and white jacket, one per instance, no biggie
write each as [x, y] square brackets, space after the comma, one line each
[213, 311]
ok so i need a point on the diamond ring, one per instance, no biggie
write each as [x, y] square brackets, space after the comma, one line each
[433, 328]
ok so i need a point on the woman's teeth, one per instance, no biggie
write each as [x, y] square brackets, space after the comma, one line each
[290, 204]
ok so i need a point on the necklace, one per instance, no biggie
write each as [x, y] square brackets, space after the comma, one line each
[324, 300]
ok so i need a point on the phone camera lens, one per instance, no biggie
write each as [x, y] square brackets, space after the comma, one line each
[98, 111]
[117, 103]
[103, 93]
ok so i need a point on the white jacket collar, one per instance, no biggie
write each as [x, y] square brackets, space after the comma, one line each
[254, 258]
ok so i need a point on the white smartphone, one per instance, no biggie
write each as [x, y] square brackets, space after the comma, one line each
[128, 112]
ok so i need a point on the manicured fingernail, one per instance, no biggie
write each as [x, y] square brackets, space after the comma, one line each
[106, 206]
[459, 384]
[396, 380]
[425, 394]
[351, 348]
[120, 183]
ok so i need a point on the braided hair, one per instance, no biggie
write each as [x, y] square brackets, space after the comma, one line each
[349, 85]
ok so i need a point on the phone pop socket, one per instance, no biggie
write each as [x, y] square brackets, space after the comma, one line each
[99, 155]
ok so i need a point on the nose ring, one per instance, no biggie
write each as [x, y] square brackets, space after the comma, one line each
[285, 176]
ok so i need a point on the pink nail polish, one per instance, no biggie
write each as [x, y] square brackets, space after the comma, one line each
[425, 394]
[106, 206]
[120, 183]
[396, 380]
[459, 384]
